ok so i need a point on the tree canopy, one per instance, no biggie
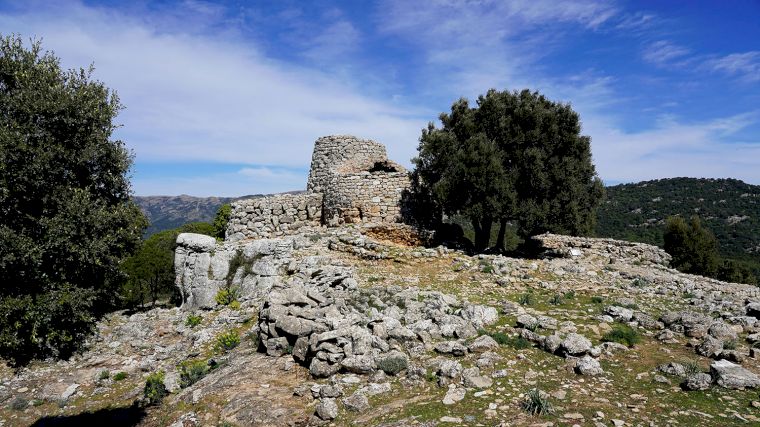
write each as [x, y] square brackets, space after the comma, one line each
[514, 157]
[66, 218]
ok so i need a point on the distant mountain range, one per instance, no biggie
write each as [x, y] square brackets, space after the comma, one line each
[167, 212]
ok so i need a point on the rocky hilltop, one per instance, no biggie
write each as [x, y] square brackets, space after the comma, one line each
[326, 308]
[337, 325]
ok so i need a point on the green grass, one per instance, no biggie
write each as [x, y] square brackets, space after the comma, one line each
[536, 403]
[622, 334]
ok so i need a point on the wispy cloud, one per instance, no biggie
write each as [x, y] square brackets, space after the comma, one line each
[664, 52]
[745, 65]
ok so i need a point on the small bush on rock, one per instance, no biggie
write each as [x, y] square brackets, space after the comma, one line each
[120, 376]
[155, 390]
[556, 299]
[191, 371]
[537, 403]
[227, 296]
[193, 320]
[729, 345]
[104, 375]
[227, 341]
[622, 334]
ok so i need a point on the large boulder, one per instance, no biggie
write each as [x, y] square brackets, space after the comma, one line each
[733, 376]
[575, 345]
[196, 242]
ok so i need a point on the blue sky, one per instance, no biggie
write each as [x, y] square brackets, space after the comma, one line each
[226, 98]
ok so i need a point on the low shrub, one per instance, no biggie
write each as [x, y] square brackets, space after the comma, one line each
[104, 375]
[556, 299]
[392, 365]
[191, 371]
[155, 390]
[227, 341]
[193, 320]
[537, 403]
[729, 345]
[227, 296]
[597, 300]
[19, 403]
[501, 338]
[120, 376]
[622, 334]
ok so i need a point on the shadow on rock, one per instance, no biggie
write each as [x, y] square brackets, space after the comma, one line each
[111, 417]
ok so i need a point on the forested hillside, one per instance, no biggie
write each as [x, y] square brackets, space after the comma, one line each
[728, 207]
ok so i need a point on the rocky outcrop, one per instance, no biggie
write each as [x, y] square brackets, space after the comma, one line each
[570, 246]
[202, 267]
[327, 323]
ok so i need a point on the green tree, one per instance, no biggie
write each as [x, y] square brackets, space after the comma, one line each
[150, 271]
[515, 157]
[221, 219]
[693, 247]
[66, 218]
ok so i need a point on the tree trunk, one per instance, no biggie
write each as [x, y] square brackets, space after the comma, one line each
[502, 232]
[482, 233]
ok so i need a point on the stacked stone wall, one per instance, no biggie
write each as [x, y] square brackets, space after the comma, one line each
[364, 197]
[337, 154]
[570, 246]
[273, 216]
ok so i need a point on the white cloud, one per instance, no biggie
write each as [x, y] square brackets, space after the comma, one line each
[664, 52]
[673, 149]
[190, 96]
[744, 65]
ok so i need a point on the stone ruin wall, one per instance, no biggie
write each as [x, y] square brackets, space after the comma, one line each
[570, 246]
[365, 197]
[273, 216]
[341, 154]
[351, 181]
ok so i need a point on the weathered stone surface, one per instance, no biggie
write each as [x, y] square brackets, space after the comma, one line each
[698, 381]
[327, 409]
[710, 347]
[357, 402]
[454, 395]
[196, 242]
[454, 348]
[587, 365]
[480, 315]
[733, 376]
[621, 314]
[482, 344]
[575, 344]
